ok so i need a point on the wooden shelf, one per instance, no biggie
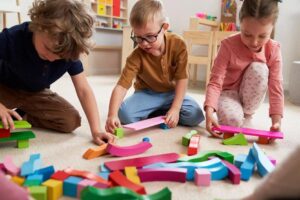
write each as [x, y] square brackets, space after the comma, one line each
[110, 16]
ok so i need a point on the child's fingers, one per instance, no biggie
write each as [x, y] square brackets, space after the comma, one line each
[15, 114]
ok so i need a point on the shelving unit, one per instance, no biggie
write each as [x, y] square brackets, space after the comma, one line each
[111, 14]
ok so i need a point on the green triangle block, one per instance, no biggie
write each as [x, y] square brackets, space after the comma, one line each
[238, 139]
[19, 124]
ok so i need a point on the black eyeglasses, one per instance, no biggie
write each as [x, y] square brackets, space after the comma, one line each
[148, 38]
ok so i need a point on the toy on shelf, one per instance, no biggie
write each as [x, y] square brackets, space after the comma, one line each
[145, 123]
[205, 16]
[249, 131]
[128, 150]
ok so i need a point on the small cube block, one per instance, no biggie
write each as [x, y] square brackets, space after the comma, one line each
[54, 189]
[22, 144]
[38, 192]
[119, 133]
[202, 177]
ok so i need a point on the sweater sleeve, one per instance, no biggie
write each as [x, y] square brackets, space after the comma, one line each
[217, 76]
[276, 96]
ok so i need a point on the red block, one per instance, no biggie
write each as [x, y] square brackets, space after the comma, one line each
[60, 175]
[116, 8]
[4, 133]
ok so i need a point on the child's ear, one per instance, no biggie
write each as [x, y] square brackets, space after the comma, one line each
[166, 26]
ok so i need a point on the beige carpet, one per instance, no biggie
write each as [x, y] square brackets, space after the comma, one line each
[65, 150]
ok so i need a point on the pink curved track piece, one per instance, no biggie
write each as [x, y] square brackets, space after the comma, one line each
[145, 123]
[249, 131]
[163, 174]
[141, 161]
[128, 150]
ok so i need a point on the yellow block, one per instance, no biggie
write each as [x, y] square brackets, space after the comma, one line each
[131, 174]
[101, 1]
[18, 180]
[109, 2]
[54, 189]
[101, 9]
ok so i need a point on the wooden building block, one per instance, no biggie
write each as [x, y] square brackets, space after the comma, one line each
[202, 177]
[4, 133]
[227, 135]
[82, 184]
[263, 140]
[38, 192]
[128, 150]
[248, 131]
[22, 144]
[21, 135]
[88, 175]
[118, 179]
[119, 132]
[46, 172]
[132, 175]
[145, 123]
[95, 152]
[238, 139]
[247, 167]
[234, 172]
[9, 166]
[70, 186]
[141, 161]
[90, 192]
[54, 189]
[60, 175]
[18, 180]
[264, 165]
[193, 145]
[163, 174]
[204, 155]
[186, 138]
[19, 124]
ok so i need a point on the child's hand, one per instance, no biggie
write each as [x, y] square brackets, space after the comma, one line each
[101, 138]
[172, 117]
[6, 117]
[210, 122]
[112, 123]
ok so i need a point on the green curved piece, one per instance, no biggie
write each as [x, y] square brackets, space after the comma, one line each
[92, 193]
[203, 156]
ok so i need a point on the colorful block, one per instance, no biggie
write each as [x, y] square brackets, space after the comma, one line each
[54, 189]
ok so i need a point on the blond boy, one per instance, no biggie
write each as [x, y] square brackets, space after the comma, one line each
[159, 66]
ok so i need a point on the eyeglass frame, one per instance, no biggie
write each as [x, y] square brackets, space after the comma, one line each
[145, 38]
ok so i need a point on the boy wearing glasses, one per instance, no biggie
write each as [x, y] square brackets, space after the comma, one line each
[159, 67]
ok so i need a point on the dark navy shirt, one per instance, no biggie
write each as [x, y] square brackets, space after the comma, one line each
[22, 68]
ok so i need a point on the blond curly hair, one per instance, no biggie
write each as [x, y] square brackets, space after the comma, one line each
[68, 23]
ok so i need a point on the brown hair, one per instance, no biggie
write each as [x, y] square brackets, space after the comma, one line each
[260, 9]
[67, 22]
[144, 10]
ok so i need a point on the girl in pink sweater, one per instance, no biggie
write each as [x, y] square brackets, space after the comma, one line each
[247, 65]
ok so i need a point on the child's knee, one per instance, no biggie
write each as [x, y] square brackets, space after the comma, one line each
[193, 117]
[125, 116]
[231, 120]
[259, 68]
[71, 122]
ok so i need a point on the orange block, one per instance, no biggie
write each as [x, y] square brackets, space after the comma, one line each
[263, 140]
[95, 152]
[227, 135]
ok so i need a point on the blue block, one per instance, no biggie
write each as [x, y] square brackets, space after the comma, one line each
[247, 167]
[46, 172]
[104, 175]
[264, 165]
[239, 159]
[70, 186]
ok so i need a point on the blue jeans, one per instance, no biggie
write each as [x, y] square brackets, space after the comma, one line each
[144, 103]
